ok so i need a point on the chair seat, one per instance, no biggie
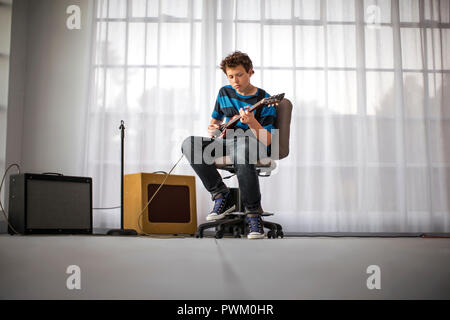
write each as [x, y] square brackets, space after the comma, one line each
[262, 165]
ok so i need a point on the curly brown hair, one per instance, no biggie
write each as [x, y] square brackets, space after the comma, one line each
[235, 59]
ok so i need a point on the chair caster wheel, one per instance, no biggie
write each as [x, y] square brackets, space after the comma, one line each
[274, 234]
[199, 234]
[236, 232]
[219, 234]
[280, 234]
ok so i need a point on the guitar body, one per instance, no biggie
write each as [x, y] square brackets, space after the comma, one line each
[231, 124]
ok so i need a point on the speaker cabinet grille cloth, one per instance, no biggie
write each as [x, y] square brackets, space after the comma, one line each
[48, 200]
[159, 209]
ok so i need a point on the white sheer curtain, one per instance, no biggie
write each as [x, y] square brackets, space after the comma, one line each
[369, 81]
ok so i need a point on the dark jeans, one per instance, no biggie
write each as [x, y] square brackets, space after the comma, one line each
[243, 151]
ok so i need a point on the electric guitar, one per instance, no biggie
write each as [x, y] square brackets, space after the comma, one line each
[272, 100]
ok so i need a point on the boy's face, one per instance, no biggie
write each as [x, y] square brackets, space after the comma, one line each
[239, 78]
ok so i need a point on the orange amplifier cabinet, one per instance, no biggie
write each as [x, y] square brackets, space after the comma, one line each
[172, 211]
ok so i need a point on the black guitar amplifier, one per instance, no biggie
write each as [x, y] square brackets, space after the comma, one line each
[50, 204]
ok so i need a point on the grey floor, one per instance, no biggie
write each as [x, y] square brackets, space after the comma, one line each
[34, 267]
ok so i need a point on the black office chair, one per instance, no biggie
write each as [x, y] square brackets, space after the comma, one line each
[234, 224]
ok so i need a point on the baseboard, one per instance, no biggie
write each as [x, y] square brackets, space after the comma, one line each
[358, 234]
[99, 231]
[369, 234]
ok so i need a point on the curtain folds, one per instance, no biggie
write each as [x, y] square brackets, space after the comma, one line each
[369, 81]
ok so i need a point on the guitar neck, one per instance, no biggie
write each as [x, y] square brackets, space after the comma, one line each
[235, 120]
[255, 106]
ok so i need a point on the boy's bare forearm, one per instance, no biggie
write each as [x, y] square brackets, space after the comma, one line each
[260, 133]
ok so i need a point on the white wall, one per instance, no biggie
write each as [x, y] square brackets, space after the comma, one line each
[50, 86]
[5, 38]
[16, 84]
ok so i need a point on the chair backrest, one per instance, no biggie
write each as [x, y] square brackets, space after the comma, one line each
[283, 124]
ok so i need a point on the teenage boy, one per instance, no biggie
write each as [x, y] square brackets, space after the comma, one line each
[235, 99]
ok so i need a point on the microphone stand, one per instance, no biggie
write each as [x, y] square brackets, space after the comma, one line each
[122, 231]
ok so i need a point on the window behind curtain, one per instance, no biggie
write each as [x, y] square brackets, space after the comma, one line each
[367, 79]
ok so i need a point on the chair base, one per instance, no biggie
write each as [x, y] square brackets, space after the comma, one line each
[234, 225]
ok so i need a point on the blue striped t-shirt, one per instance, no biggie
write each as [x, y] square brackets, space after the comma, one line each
[229, 102]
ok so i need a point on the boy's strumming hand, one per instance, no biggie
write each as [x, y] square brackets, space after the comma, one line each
[213, 130]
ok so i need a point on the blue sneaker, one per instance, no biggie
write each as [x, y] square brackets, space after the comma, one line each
[222, 207]
[255, 227]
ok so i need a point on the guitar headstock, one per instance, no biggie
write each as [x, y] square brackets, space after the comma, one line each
[273, 99]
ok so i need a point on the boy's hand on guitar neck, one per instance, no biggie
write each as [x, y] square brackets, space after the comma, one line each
[246, 116]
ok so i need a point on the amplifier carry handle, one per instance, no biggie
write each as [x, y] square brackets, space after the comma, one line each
[53, 174]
